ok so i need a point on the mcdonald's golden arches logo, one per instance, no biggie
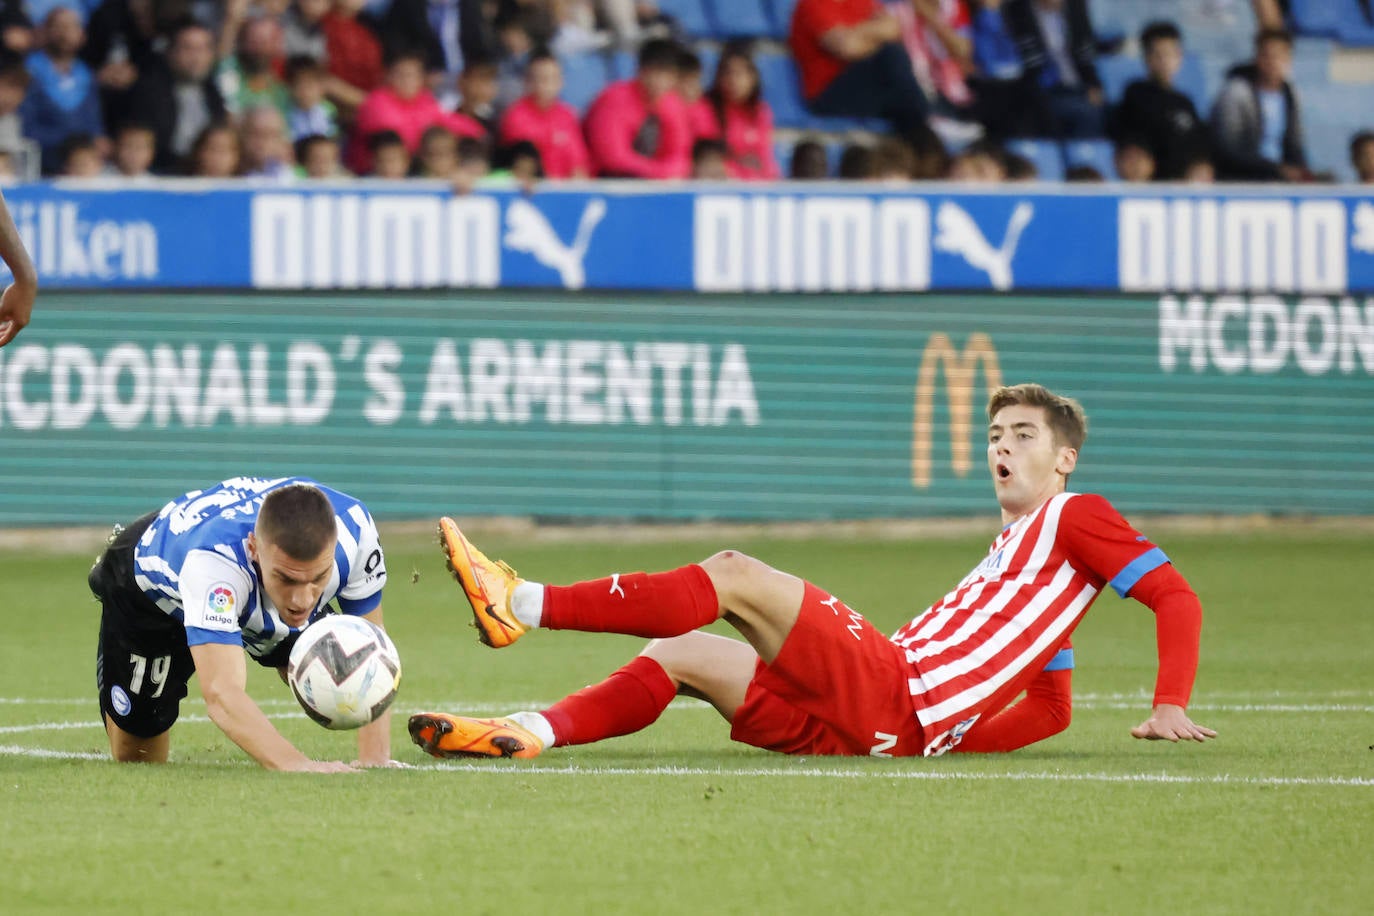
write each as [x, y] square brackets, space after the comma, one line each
[960, 371]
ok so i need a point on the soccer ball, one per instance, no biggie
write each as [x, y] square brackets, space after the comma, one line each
[344, 671]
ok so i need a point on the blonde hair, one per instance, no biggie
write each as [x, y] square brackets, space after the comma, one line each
[1065, 416]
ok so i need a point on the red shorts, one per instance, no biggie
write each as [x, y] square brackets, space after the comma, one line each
[837, 687]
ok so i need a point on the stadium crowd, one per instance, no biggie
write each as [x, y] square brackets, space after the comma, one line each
[470, 91]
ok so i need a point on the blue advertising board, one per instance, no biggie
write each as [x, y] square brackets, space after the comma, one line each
[830, 238]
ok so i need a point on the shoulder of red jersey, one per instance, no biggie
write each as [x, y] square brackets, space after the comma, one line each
[1096, 534]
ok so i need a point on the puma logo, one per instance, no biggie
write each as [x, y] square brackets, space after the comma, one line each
[615, 585]
[957, 233]
[528, 230]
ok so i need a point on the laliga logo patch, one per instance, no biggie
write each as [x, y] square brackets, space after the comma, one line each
[220, 601]
[120, 700]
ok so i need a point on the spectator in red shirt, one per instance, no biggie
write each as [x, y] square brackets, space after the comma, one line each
[403, 104]
[353, 53]
[743, 118]
[638, 128]
[550, 124]
[852, 63]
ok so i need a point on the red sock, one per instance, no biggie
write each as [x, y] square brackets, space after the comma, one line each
[637, 604]
[630, 699]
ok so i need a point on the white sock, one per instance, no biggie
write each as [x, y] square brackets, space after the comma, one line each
[535, 724]
[527, 603]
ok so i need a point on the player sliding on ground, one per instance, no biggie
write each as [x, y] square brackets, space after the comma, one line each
[245, 564]
[814, 676]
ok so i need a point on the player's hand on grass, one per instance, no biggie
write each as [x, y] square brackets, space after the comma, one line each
[382, 765]
[322, 766]
[1171, 723]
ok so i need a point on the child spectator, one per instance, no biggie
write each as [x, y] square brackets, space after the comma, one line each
[893, 160]
[310, 113]
[522, 162]
[809, 162]
[1083, 174]
[63, 98]
[353, 55]
[1019, 168]
[1154, 111]
[9, 172]
[856, 163]
[1133, 159]
[14, 83]
[403, 104]
[390, 158]
[709, 159]
[135, 146]
[550, 124]
[471, 167]
[638, 128]
[81, 157]
[215, 153]
[1362, 155]
[318, 157]
[701, 119]
[477, 88]
[1200, 170]
[266, 148]
[438, 154]
[1256, 120]
[743, 119]
[980, 162]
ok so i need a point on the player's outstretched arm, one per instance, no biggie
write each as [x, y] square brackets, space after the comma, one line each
[1171, 723]
[223, 676]
[16, 302]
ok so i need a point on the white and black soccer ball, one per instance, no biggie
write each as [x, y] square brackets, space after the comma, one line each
[344, 671]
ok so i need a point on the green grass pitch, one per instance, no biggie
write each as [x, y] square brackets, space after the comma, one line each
[1275, 816]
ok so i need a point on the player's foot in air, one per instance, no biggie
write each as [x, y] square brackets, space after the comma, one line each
[441, 735]
[489, 585]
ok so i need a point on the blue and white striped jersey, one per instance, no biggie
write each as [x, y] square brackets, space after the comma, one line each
[193, 563]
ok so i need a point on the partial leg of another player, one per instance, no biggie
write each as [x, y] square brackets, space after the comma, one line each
[702, 665]
[127, 748]
[759, 601]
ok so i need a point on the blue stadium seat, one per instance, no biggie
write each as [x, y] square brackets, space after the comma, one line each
[780, 11]
[584, 76]
[1046, 154]
[1316, 17]
[782, 90]
[1355, 29]
[1096, 153]
[623, 65]
[1117, 71]
[743, 18]
[691, 15]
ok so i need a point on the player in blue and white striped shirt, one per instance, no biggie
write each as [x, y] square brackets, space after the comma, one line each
[243, 565]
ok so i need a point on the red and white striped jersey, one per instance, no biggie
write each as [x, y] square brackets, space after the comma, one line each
[975, 649]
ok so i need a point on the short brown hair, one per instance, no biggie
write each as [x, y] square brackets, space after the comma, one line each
[1067, 420]
[299, 520]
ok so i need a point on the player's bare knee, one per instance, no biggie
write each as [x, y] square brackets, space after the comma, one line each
[734, 573]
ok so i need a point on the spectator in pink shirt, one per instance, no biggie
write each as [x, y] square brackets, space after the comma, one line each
[745, 119]
[403, 104]
[550, 124]
[638, 128]
[701, 117]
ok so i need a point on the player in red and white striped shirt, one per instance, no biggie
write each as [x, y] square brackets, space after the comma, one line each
[814, 676]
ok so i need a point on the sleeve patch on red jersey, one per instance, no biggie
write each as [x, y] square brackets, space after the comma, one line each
[1148, 561]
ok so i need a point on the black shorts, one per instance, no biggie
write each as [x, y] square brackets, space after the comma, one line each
[142, 662]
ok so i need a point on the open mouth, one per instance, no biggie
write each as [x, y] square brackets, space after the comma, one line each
[1003, 472]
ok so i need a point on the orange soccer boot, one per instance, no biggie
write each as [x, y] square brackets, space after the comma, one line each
[441, 735]
[488, 584]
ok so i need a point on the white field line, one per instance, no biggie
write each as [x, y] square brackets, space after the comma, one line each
[525, 772]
